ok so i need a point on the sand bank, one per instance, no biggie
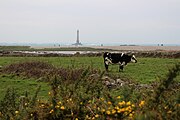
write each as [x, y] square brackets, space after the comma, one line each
[131, 48]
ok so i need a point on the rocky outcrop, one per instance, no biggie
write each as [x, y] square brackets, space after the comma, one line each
[109, 82]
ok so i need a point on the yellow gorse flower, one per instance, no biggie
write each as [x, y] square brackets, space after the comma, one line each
[102, 99]
[59, 103]
[117, 107]
[103, 110]
[62, 107]
[118, 97]
[113, 111]
[108, 112]
[121, 103]
[57, 106]
[96, 115]
[122, 110]
[132, 105]
[51, 111]
[130, 115]
[16, 112]
[109, 103]
[141, 103]
[129, 109]
[128, 103]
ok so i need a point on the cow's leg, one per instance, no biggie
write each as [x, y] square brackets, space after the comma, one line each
[106, 64]
[107, 61]
[121, 66]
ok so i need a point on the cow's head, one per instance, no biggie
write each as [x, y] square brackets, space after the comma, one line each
[107, 58]
[133, 59]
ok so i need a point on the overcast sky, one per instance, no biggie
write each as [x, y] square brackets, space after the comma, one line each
[99, 21]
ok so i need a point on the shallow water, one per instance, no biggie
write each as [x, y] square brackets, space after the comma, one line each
[55, 52]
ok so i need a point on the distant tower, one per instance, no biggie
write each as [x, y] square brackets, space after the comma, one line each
[77, 37]
[77, 41]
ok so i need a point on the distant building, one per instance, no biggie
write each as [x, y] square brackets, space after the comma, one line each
[77, 41]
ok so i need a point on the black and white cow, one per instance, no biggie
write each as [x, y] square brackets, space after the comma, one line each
[118, 58]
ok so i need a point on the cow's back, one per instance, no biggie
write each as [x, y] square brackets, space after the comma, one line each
[116, 57]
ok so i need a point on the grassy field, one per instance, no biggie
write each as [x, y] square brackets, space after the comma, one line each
[144, 71]
[22, 85]
[76, 95]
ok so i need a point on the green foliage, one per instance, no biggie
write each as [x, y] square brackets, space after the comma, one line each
[164, 84]
[79, 92]
[9, 105]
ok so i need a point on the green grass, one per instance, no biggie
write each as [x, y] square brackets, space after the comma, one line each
[21, 85]
[144, 71]
[149, 69]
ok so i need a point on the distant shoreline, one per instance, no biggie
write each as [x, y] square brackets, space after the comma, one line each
[130, 48]
[141, 48]
[100, 47]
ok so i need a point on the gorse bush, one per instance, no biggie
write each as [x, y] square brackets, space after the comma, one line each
[81, 94]
[9, 105]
